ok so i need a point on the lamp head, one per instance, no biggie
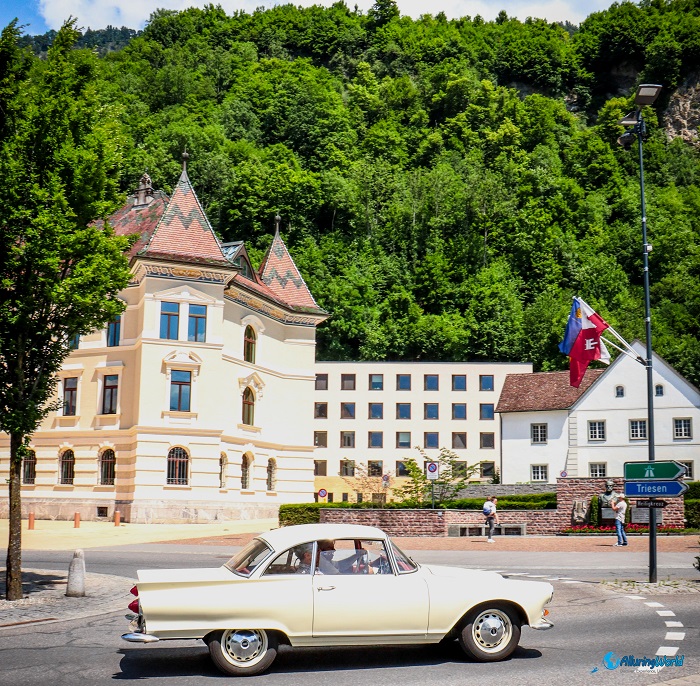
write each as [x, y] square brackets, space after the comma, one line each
[626, 140]
[647, 94]
[630, 119]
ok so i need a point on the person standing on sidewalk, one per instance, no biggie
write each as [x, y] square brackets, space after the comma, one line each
[619, 505]
[491, 516]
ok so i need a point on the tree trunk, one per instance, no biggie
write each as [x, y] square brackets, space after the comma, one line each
[13, 575]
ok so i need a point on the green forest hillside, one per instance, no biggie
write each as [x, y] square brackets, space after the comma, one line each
[445, 186]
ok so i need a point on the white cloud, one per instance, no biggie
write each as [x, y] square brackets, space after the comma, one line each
[134, 13]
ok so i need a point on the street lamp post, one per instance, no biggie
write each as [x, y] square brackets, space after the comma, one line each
[646, 95]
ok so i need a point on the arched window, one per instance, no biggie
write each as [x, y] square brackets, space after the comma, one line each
[245, 472]
[249, 340]
[619, 391]
[107, 467]
[248, 407]
[67, 467]
[178, 460]
[223, 469]
[659, 390]
[29, 468]
[271, 475]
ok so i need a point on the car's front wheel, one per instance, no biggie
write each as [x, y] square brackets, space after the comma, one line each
[242, 652]
[490, 633]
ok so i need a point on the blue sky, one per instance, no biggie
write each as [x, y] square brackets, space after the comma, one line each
[42, 15]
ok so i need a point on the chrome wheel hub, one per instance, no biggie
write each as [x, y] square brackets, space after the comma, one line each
[243, 646]
[492, 630]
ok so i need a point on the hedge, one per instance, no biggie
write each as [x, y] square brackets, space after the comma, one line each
[692, 514]
[693, 492]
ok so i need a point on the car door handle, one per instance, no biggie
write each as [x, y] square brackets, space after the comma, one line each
[326, 588]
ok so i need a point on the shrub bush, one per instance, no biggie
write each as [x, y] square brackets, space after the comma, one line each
[692, 514]
[594, 516]
[693, 492]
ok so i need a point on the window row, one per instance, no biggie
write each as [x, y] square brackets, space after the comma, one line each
[596, 470]
[375, 468]
[348, 410]
[431, 439]
[431, 382]
[658, 391]
[682, 429]
[106, 466]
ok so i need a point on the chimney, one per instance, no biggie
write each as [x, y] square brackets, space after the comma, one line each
[144, 193]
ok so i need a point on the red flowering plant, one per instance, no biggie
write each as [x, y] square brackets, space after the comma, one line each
[630, 529]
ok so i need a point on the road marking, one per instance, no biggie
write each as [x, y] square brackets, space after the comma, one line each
[674, 636]
[635, 597]
[665, 613]
[537, 576]
[518, 573]
[668, 651]
[654, 604]
[554, 578]
[572, 581]
[673, 625]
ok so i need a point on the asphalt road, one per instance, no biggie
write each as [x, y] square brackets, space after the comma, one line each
[590, 621]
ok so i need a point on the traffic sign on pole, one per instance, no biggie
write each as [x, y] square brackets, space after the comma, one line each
[654, 489]
[432, 470]
[639, 471]
[652, 504]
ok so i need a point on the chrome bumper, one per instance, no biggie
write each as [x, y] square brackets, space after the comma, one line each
[542, 625]
[140, 638]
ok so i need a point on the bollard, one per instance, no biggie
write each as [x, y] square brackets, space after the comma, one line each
[30, 522]
[76, 520]
[76, 576]
[117, 517]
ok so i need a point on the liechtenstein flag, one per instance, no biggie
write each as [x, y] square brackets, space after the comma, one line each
[582, 342]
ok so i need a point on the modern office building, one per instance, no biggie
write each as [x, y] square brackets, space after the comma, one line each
[370, 416]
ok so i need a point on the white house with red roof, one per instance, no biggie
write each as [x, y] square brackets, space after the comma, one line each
[551, 430]
[192, 406]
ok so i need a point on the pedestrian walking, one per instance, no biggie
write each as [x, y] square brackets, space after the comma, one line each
[619, 505]
[491, 514]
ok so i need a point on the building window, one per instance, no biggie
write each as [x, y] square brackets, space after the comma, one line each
[688, 470]
[359, 496]
[74, 343]
[375, 467]
[347, 410]
[403, 439]
[197, 324]
[329, 497]
[70, 396]
[401, 469]
[245, 472]
[67, 467]
[431, 382]
[347, 468]
[321, 382]
[320, 467]
[459, 410]
[638, 429]
[169, 321]
[375, 439]
[113, 331]
[459, 382]
[459, 440]
[487, 469]
[344, 497]
[249, 343]
[403, 410]
[487, 440]
[659, 390]
[347, 382]
[178, 463]
[597, 470]
[403, 382]
[271, 475]
[486, 382]
[486, 411]
[538, 433]
[29, 467]
[347, 439]
[619, 391]
[320, 410]
[539, 472]
[248, 417]
[223, 470]
[459, 470]
[431, 411]
[110, 392]
[431, 439]
[376, 410]
[376, 382]
[321, 439]
[108, 463]
[682, 428]
[596, 431]
[180, 391]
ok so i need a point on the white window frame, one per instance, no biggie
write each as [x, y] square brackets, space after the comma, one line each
[684, 436]
[181, 361]
[537, 428]
[113, 369]
[619, 391]
[599, 473]
[690, 469]
[638, 430]
[599, 423]
[538, 467]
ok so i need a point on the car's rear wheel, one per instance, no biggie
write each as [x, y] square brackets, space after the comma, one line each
[490, 633]
[242, 652]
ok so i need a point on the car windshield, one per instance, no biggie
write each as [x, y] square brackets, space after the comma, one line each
[245, 562]
[404, 562]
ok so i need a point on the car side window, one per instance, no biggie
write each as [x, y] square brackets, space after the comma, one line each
[285, 563]
[357, 556]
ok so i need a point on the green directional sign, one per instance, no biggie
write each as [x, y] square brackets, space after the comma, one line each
[639, 471]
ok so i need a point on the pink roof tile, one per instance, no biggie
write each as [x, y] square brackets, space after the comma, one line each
[543, 391]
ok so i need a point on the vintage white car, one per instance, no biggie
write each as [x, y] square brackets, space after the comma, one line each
[331, 585]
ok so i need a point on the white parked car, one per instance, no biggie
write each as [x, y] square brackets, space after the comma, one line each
[331, 585]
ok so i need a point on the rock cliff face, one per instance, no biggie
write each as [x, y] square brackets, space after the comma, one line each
[682, 117]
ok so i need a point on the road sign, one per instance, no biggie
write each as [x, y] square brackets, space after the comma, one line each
[432, 470]
[638, 471]
[322, 493]
[654, 489]
[653, 504]
[385, 481]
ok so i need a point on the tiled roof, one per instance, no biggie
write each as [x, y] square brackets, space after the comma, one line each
[184, 232]
[542, 391]
[281, 276]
